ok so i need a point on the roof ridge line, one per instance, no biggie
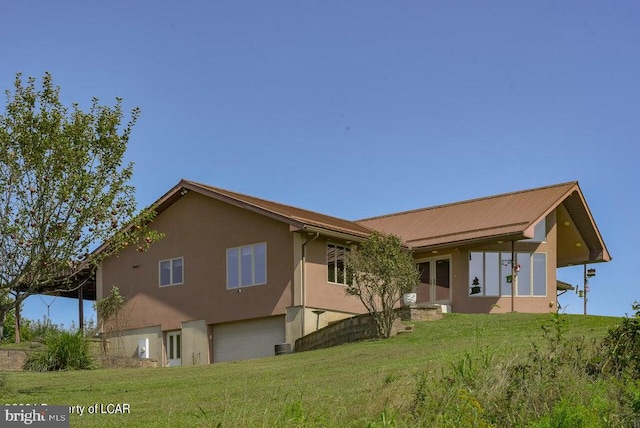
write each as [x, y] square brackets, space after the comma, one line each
[215, 188]
[467, 201]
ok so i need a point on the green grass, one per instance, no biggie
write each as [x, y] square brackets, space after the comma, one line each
[21, 346]
[360, 384]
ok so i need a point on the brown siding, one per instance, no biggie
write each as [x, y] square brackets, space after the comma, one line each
[200, 229]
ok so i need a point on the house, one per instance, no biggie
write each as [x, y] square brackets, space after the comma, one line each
[236, 275]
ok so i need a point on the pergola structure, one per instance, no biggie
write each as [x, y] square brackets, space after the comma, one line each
[81, 286]
[84, 290]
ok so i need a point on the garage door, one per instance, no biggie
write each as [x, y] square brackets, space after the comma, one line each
[247, 339]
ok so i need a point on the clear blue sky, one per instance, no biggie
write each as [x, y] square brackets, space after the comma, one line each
[359, 108]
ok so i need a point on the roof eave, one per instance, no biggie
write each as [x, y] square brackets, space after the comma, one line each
[471, 242]
[331, 233]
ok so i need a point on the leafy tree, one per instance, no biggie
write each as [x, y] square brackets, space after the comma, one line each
[63, 190]
[382, 271]
[9, 321]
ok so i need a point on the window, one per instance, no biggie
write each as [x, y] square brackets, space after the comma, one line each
[493, 273]
[539, 272]
[336, 270]
[247, 265]
[171, 272]
[539, 232]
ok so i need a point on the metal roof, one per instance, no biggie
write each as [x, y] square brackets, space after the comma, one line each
[509, 216]
[297, 218]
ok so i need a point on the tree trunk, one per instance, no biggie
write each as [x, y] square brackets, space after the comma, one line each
[17, 321]
[3, 314]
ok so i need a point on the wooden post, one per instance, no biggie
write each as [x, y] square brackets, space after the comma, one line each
[17, 323]
[513, 275]
[585, 289]
[81, 309]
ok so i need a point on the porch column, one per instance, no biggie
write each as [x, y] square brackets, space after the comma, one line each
[81, 309]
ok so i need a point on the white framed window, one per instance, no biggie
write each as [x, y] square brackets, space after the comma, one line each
[247, 265]
[171, 271]
[336, 265]
[490, 274]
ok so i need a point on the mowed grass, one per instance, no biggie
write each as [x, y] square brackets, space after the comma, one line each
[349, 385]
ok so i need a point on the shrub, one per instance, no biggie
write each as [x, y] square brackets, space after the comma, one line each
[4, 383]
[621, 347]
[550, 386]
[63, 351]
[568, 415]
[39, 330]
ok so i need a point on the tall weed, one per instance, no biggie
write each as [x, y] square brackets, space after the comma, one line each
[550, 386]
[63, 351]
[621, 347]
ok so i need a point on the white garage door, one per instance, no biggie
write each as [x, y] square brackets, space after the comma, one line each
[247, 339]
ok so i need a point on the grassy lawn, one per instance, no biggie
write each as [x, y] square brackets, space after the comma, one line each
[348, 385]
[21, 345]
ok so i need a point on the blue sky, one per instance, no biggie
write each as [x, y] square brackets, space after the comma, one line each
[360, 108]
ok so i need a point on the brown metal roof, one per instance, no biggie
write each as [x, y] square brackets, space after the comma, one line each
[502, 217]
[509, 216]
[296, 217]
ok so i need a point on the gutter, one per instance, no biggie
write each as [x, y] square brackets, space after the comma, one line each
[334, 234]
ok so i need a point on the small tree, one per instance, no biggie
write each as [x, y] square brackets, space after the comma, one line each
[381, 272]
[106, 309]
[63, 191]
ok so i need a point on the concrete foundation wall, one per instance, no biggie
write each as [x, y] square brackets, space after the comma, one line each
[126, 344]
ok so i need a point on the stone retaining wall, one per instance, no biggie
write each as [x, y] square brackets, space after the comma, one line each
[420, 313]
[12, 359]
[111, 362]
[363, 327]
[354, 329]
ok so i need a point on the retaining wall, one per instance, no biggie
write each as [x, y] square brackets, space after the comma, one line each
[363, 327]
[12, 359]
[354, 329]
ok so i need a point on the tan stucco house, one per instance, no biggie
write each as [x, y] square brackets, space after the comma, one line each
[236, 275]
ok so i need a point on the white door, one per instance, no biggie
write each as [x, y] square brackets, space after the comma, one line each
[247, 339]
[174, 348]
[435, 280]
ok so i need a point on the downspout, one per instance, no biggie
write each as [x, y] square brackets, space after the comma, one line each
[513, 275]
[304, 285]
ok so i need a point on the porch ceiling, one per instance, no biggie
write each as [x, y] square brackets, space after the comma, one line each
[579, 241]
[85, 278]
